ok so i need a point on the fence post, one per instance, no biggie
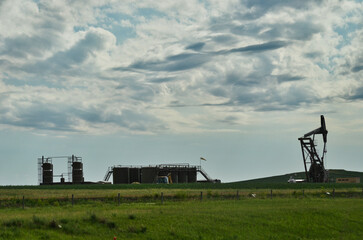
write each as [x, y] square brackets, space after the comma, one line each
[23, 202]
[333, 192]
[118, 198]
[271, 194]
[201, 196]
[72, 200]
[162, 198]
[237, 195]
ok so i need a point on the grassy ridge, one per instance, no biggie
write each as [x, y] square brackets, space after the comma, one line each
[231, 219]
[333, 175]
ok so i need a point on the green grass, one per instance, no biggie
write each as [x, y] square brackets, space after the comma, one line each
[308, 218]
[296, 211]
[61, 197]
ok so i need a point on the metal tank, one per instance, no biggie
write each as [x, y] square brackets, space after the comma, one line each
[121, 175]
[192, 175]
[174, 176]
[134, 175]
[47, 173]
[149, 174]
[183, 176]
[77, 172]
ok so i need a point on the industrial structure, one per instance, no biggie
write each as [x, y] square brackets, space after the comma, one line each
[314, 164]
[178, 173]
[348, 180]
[74, 174]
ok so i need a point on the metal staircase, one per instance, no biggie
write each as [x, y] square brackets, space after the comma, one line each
[204, 173]
[108, 174]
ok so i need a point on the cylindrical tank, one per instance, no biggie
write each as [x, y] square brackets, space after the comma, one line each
[174, 176]
[149, 174]
[47, 173]
[121, 175]
[182, 176]
[134, 175]
[192, 175]
[77, 172]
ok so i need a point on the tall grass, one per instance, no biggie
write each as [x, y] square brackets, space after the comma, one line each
[308, 218]
[62, 197]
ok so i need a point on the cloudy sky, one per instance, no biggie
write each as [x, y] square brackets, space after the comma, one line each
[150, 82]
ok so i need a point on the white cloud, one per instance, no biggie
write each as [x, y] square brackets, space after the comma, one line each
[187, 66]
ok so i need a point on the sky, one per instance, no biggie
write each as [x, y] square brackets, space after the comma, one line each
[236, 82]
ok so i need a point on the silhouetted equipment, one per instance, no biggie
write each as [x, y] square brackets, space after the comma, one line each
[77, 170]
[121, 175]
[149, 174]
[134, 175]
[46, 175]
[47, 170]
[312, 160]
[175, 173]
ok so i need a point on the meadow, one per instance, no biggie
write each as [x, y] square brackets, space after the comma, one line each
[190, 211]
[308, 218]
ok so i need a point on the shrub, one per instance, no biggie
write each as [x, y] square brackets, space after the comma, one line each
[111, 224]
[38, 221]
[133, 229]
[93, 218]
[14, 223]
[53, 224]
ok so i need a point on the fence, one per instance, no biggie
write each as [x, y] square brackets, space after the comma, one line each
[161, 198]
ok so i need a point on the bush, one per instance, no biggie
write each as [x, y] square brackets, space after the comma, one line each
[133, 229]
[111, 224]
[53, 224]
[38, 221]
[14, 223]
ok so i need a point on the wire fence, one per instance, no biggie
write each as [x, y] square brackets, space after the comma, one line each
[162, 198]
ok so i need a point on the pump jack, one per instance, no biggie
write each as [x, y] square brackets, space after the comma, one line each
[317, 171]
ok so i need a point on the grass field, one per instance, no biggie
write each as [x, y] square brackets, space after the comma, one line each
[279, 218]
[39, 196]
[293, 211]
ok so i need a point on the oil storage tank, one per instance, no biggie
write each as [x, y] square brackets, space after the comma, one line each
[121, 175]
[47, 173]
[183, 176]
[174, 176]
[192, 175]
[77, 172]
[134, 175]
[149, 174]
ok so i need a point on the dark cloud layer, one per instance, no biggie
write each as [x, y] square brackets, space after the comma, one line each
[22, 46]
[357, 68]
[196, 46]
[357, 94]
[187, 61]
[260, 47]
[288, 78]
[260, 7]
[63, 61]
